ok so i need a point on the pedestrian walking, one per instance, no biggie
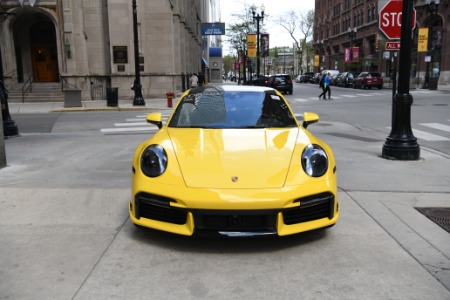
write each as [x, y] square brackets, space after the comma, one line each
[193, 80]
[326, 87]
[321, 80]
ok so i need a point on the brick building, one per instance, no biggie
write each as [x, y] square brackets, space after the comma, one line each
[347, 38]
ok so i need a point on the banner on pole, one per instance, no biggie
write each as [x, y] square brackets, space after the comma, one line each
[422, 45]
[251, 45]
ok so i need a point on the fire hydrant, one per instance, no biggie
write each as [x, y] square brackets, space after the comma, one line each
[169, 96]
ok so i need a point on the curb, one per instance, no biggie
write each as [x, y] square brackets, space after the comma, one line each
[84, 109]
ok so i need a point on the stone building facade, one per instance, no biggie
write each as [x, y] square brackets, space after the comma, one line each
[333, 19]
[89, 44]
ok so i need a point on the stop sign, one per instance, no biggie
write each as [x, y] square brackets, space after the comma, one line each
[390, 19]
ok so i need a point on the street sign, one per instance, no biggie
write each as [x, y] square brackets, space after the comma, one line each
[393, 46]
[213, 28]
[390, 19]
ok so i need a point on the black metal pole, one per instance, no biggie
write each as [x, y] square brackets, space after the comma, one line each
[10, 128]
[137, 87]
[258, 18]
[239, 67]
[401, 143]
[258, 66]
[245, 62]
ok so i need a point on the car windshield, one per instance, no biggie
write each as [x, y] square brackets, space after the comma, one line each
[212, 107]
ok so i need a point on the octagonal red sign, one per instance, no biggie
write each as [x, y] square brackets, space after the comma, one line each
[390, 19]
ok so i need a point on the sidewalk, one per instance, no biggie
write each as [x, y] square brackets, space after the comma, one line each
[89, 105]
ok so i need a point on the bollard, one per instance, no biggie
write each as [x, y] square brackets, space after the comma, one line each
[169, 96]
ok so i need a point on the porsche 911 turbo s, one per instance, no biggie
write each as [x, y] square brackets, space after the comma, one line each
[233, 161]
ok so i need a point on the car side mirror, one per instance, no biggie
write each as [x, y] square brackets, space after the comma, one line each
[155, 119]
[309, 118]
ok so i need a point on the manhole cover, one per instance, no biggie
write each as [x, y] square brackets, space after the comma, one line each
[439, 215]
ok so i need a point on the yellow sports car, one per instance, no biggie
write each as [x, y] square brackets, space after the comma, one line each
[233, 161]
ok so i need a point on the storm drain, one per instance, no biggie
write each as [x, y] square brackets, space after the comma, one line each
[439, 215]
[355, 137]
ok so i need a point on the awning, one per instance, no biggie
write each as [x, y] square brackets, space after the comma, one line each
[215, 52]
[204, 62]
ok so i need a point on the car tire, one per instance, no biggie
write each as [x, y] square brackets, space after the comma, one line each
[379, 87]
[354, 86]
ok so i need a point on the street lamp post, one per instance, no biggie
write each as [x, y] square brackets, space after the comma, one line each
[352, 35]
[239, 59]
[137, 87]
[401, 143]
[9, 126]
[432, 8]
[258, 18]
[244, 42]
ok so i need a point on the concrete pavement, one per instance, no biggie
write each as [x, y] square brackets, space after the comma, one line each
[65, 233]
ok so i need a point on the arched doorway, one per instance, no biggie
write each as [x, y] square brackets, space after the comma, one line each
[43, 50]
[35, 46]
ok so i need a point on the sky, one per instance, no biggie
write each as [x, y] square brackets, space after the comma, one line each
[275, 8]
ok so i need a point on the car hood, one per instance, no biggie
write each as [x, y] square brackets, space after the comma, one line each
[234, 158]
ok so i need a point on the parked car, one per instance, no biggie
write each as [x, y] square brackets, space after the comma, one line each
[346, 80]
[306, 77]
[282, 83]
[333, 79]
[315, 78]
[233, 161]
[368, 80]
[261, 80]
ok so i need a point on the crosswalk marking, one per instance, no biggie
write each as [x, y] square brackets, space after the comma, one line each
[134, 125]
[128, 130]
[437, 126]
[428, 136]
[136, 120]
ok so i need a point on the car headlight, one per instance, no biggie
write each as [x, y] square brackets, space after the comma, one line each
[153, 161]
[314, 160]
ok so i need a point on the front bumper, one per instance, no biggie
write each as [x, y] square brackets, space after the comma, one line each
[277, 217]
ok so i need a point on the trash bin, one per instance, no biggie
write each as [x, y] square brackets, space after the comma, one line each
[72, 98]
[433, 83]
[112, 96]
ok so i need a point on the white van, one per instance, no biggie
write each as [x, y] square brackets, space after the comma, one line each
[332, 72]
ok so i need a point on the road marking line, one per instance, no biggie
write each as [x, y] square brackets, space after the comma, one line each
[131, 124]
[135, 120]
[349, 96]
[365, 95]
[122, 130]
[428, 136]
[437, 126]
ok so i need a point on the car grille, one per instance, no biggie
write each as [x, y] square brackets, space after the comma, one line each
[249, 221]
[158, 208]
[311, 208]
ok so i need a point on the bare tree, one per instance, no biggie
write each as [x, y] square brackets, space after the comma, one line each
[304, 22]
